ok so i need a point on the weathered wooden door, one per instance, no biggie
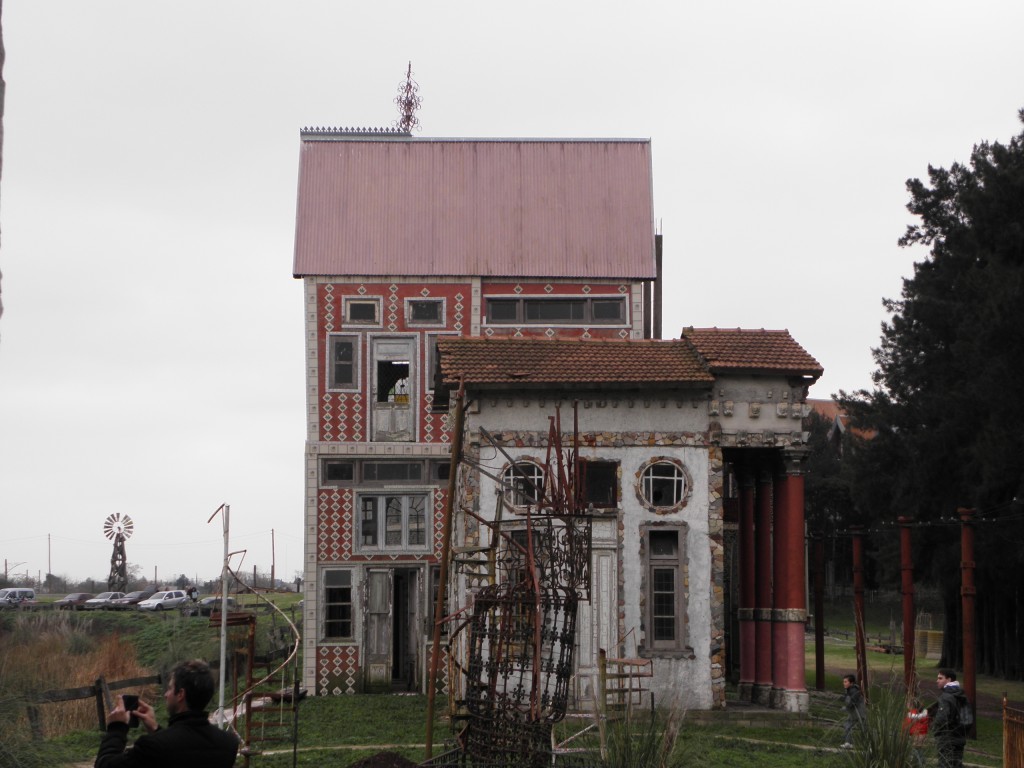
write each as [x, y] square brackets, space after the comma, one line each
[597, 622]
[378, 590]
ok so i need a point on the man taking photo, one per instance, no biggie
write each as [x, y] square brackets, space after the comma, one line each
[189, 738]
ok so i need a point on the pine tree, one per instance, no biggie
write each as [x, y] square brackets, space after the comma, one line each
[946, 402]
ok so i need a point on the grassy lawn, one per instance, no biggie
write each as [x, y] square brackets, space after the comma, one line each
[339, 731]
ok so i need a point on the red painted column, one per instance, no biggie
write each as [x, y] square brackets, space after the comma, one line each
[781, 524]
[907, 589]
[763, 591]
[967, 597]
[819, 612]
[858, 608]
[748, 582]
[790, 606]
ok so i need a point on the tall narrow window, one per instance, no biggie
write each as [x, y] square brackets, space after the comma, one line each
[337, 604]
[369, 525]
[342, 362]
[666, 590]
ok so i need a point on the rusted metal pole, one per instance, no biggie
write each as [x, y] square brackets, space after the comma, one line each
[819, 612]
[858, 608]
[967, 597]
[446, 548]
[907, 589]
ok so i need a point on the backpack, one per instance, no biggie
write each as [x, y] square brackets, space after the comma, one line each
[965, 715]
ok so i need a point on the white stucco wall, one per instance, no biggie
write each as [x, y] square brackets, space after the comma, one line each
[631, 431]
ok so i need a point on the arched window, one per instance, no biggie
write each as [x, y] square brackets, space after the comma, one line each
[523, 483]
[663, 484]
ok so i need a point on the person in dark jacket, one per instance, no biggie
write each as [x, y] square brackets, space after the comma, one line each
[189, 738]
[950, 736]
[856, 709]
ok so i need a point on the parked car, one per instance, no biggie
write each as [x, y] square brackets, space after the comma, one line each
[163, 600]
[74, 601]
[17, 597]
[209, 605]
[130, 600]
[102, 600]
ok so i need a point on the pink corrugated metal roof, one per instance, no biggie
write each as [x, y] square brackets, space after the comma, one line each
[397, 205]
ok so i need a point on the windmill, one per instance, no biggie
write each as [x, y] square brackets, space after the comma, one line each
[118, 527]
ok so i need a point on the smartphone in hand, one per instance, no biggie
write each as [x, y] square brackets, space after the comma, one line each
[131, 703]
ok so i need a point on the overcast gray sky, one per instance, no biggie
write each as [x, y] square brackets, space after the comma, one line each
[151, 349]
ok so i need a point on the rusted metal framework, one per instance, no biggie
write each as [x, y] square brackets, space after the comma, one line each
[512, 647]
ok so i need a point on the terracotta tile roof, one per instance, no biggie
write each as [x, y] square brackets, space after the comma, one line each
[735, 350]
[827, 409]
[391, 204]
[528, 363]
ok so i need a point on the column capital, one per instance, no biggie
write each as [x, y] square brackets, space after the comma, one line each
[793, 458]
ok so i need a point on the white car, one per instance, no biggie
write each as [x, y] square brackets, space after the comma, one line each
[161, 600]
[102, 600]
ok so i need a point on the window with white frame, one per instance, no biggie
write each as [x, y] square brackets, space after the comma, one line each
[582, 310]
[663, 484]
[345, 472]
[361, 311]
[337, 604]
[337, 472]
[342, 362]
[666, 589]
[391, 521]
[523, 483]
[424, 311]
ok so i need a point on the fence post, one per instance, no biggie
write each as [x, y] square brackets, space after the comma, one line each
[35, 722]
[100, 713]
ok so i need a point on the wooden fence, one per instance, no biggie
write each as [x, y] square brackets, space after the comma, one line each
[98, 690]
[1013, 736]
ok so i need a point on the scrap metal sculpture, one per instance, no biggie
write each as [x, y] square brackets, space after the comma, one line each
[408, 101]
[517, 661]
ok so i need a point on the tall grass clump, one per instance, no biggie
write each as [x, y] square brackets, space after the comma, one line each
[51, 651]
[642, 739]
[885, 740]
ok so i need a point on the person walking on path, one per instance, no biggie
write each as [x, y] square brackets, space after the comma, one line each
[189, 738]
[950, 735]
[856, 709]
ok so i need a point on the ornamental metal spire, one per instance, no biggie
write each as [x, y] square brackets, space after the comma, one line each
[408, 101]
